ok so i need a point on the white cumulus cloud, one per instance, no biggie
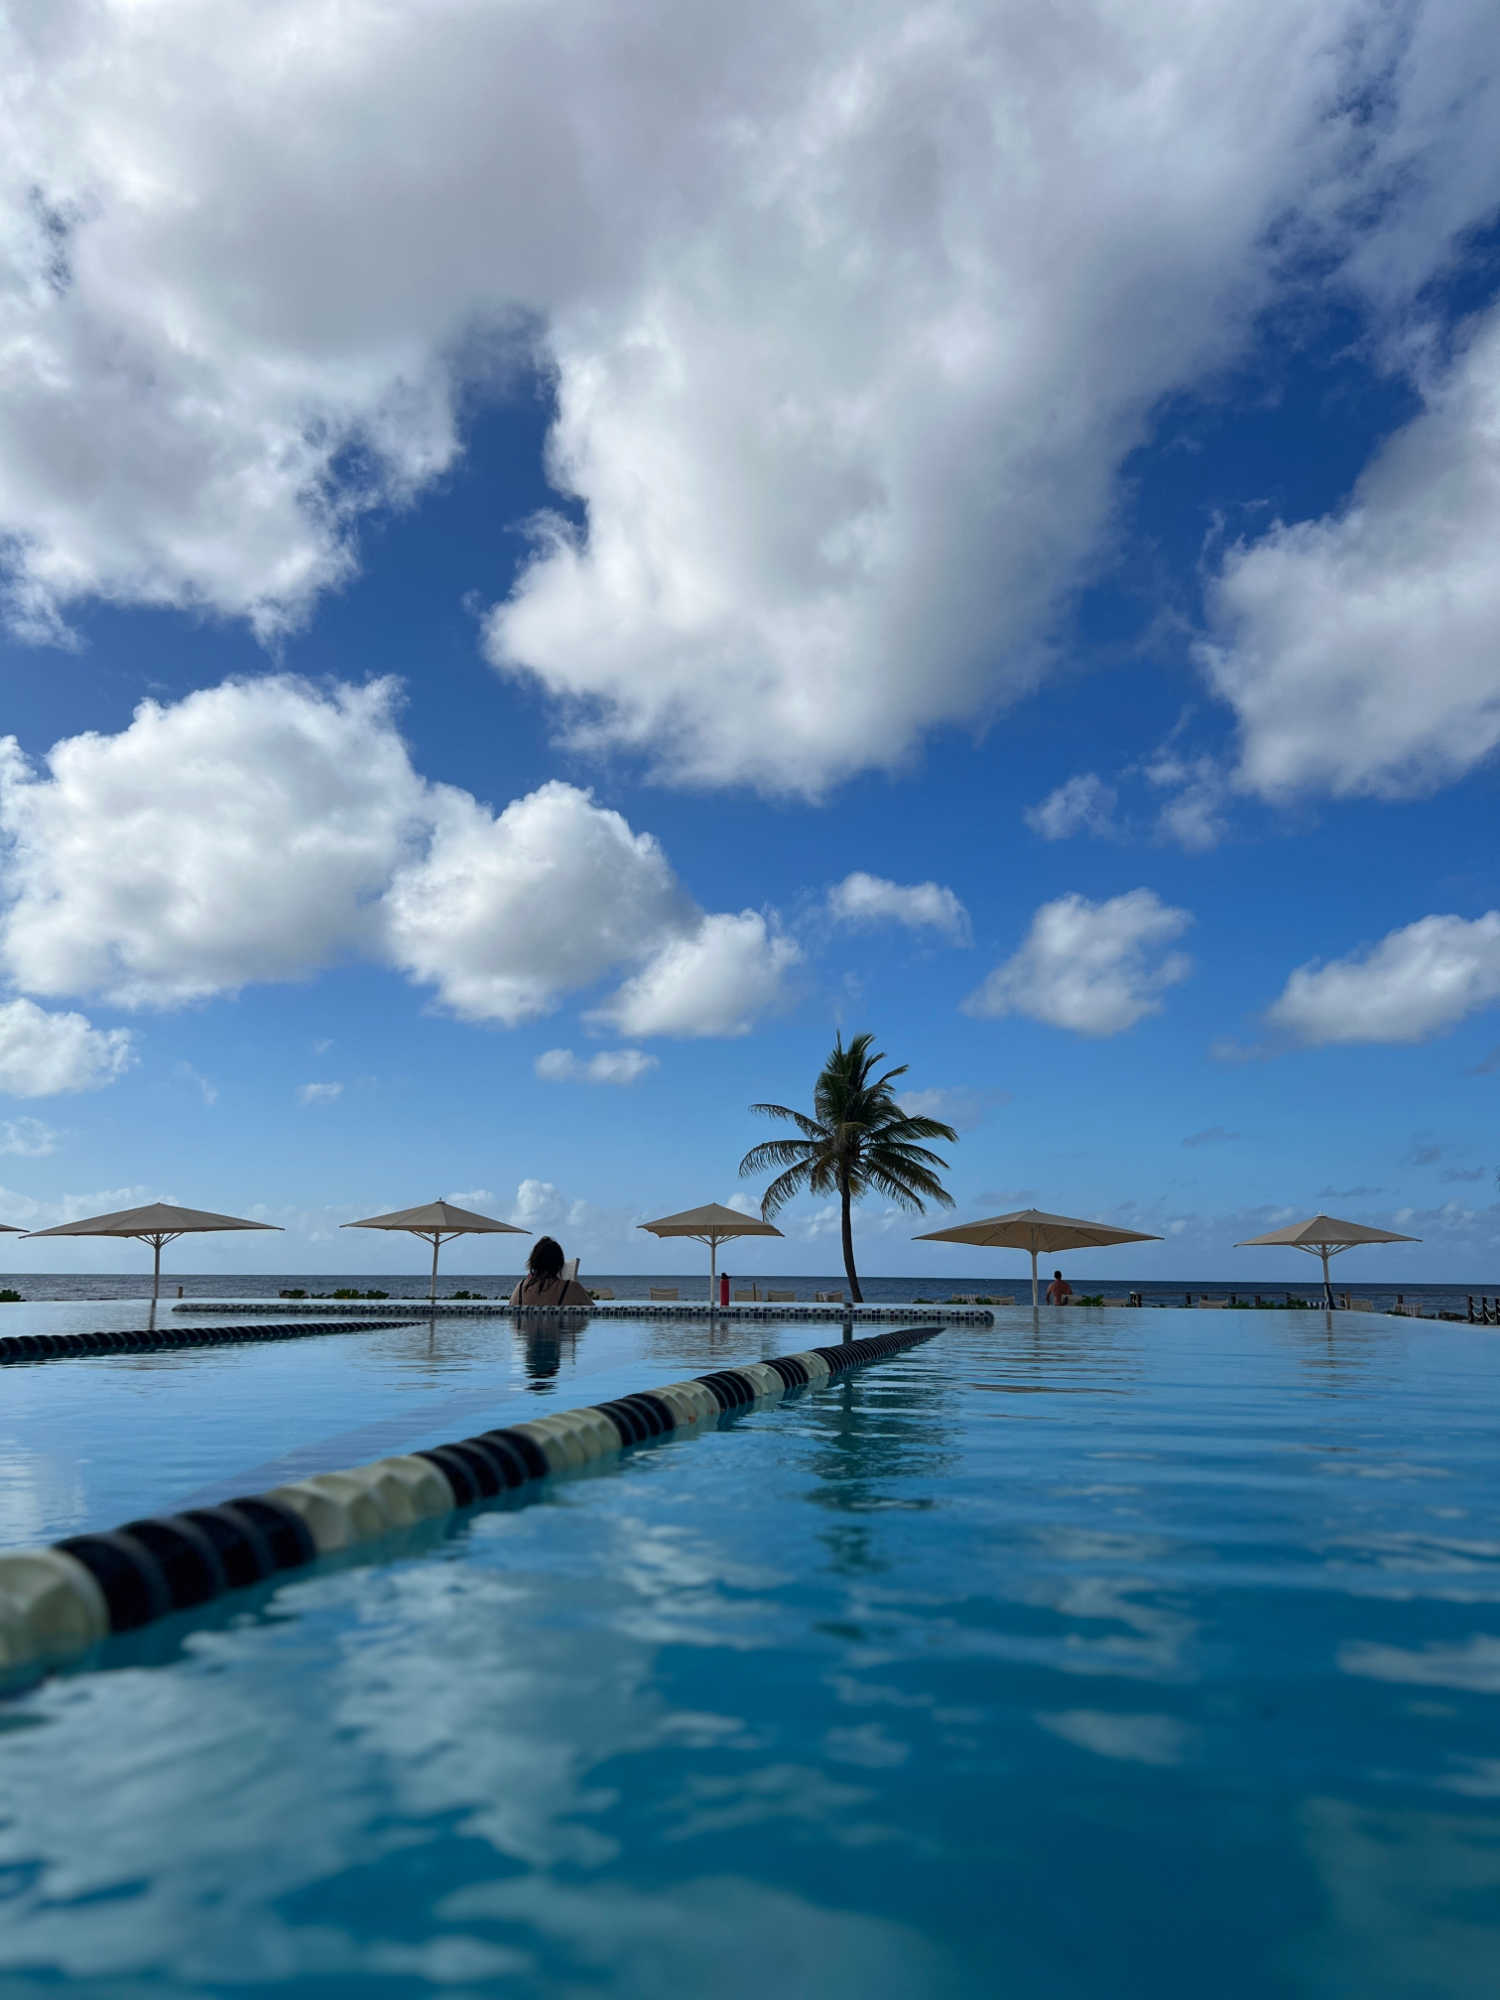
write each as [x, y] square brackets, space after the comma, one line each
[1359, 651]
[319, 1093]
[242, 833]
[540, 1206]
[1416, 983]
[27, 1137]
[265, 828]
[1193, 815]
[608, 1066]
[44, 1054]
[868, 414]
[1096, 968]
[1082, 804]
[507, 912]
[862, 899]
[852, 314]
[716, 980]
[24, 1210]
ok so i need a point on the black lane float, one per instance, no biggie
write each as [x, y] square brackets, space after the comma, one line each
[64, 1599]
[48, 1346]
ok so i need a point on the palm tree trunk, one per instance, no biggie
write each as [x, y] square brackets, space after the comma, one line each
[856, 1297]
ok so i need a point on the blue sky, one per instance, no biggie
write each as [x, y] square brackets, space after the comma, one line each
[550, 564]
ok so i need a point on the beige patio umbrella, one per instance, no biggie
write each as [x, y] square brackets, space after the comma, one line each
[712, 1224]
[1325, 1236]
[157, 1223]
[438, 1222]
[1032, 1229]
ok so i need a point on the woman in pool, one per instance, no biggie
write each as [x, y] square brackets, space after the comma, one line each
[544, 1283]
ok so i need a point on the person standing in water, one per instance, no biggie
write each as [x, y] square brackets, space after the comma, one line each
[544, 1283]
[1058, 1292]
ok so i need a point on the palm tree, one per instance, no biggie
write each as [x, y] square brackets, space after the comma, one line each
[858, 1139]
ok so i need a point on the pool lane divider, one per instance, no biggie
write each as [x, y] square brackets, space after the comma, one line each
[62, 1600]
[16, 1347]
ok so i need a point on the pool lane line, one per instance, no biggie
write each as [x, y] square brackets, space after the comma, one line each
[62, 1600]
[17, 1347]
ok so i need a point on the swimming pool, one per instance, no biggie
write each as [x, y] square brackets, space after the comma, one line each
[1114, 1654]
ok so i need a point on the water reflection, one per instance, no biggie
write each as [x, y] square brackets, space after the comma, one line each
[1077, 1340]
[707, 1343]
[1408, 1899]
[545, 1340]
[880, 1444]
[1336, 1350]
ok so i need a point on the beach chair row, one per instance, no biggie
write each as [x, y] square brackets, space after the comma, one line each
[743, 1295]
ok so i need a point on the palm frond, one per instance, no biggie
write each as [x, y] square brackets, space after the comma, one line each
[774, 1153]
[909, 1191]
[895, 1152]
[889, 1077]
[917, 1128]
[781, 1191]
[784, 1111]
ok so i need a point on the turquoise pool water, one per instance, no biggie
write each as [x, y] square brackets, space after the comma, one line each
[1119, 1654]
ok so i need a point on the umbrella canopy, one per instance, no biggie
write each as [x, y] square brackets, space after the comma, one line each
[157, 1223]
[1325, 1236]
[437, 1222]
[712, 1224]
[1034, 1230]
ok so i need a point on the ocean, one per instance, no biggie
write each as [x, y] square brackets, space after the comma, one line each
[65, 1287]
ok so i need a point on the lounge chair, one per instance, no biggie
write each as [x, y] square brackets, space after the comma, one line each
[599, 1291]
[746, 1296]
[1112, 1301]
[1215, 1305]
[781, 1298]
[1359, 1305]
[663, 1291]
[1008, 1300]
[828, 1298]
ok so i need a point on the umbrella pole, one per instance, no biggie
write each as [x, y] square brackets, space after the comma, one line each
[432, 1290]
[156, 1270]
[713, 1269]
[1327, 1281]
[1033, 1281]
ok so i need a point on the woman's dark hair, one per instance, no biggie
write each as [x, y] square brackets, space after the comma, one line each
[546, 1259]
